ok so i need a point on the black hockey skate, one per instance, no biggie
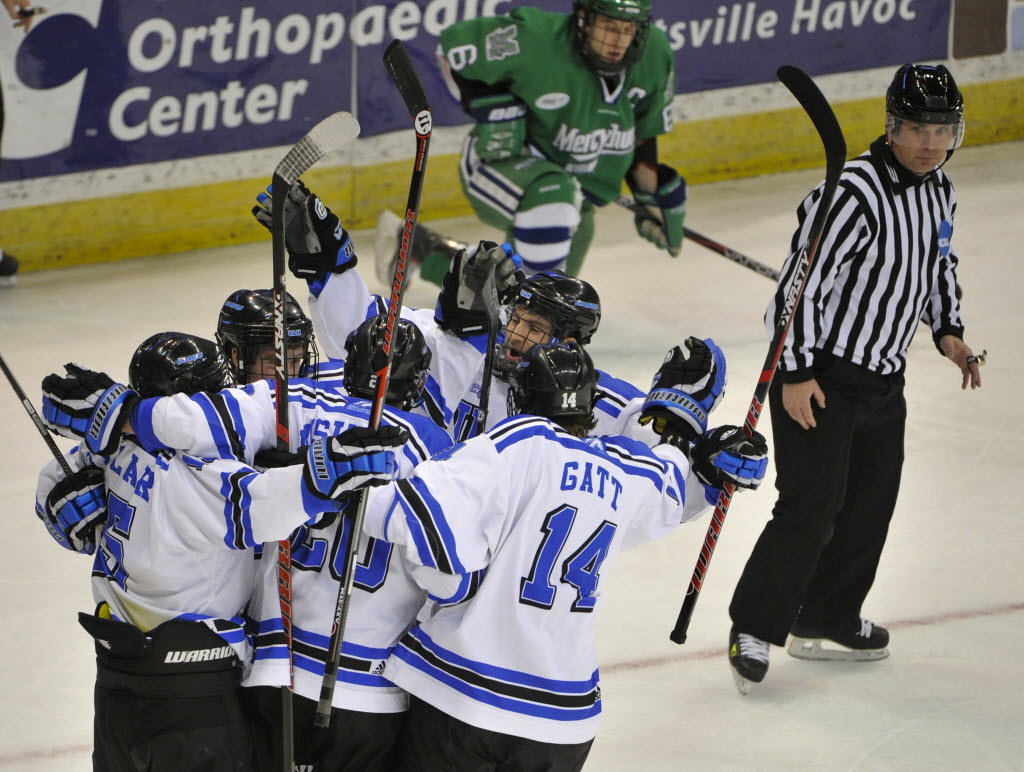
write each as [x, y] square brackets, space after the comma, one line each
[748, 656]
[861, 641]
[389, 241]
[8, 270]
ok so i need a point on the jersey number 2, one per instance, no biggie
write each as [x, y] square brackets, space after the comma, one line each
[580, 569]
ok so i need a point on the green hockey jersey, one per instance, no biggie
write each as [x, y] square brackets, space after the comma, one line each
[585, 123]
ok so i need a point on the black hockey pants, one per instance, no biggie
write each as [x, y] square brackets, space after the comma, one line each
[837, 486]
[437, 742]
[167, 702]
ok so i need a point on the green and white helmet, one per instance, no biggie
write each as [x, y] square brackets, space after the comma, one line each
[637, 11]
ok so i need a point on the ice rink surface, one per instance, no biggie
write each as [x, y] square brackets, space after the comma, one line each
[950, 586]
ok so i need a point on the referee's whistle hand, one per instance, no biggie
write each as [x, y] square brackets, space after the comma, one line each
[798, 399]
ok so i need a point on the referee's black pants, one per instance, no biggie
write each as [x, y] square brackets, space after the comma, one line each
[837, 487]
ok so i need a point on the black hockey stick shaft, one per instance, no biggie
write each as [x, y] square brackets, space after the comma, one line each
[490, 297]
[27, 404]
[831, 134]
[715, 246]
[403, 75]
[332, 133]
[284, 547]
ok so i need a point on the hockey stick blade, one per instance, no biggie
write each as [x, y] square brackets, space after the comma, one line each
[399, 67]
[820, 112]
[403, 75]
[715, 246]
[831, 135]
[332, 133]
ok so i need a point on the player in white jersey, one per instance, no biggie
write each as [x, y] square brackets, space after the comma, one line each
[173, 536]
[369, 711]
[546, 306]
[515, 529]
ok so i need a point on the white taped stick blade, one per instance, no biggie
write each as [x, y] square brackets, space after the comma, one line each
[332, 133]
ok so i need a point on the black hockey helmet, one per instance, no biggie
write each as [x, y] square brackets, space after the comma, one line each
[572, 305]
[924, 94]
[175, 363]
[585, 13]
[410, 363]
[554, 380]
[246, 325]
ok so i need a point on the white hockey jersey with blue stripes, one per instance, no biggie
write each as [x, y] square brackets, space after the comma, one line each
[179, 537]
[457, 365]
[385, 599]
[519, 527]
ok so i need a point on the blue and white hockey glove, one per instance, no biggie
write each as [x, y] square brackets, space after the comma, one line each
[688, 386]
[357, 458]
[727, 455]
[668, 205]
[74, 508]
[317, 243]
[87, 404]
[500, 125]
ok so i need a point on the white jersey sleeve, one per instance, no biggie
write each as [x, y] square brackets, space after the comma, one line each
[345, 301]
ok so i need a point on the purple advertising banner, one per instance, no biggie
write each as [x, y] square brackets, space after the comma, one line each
[99, 83]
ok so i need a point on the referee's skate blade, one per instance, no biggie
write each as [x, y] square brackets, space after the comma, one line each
[742, 684]
[825, 650]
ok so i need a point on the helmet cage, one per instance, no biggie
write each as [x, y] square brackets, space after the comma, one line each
[246, 326]
[586, 13]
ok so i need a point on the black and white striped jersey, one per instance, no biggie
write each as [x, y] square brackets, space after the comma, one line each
[884, 264]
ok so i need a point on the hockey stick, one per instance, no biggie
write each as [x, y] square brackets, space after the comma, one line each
[719, 247]
[715, 246]
[333, 132]
[490, 295]
[399, 67]
[831, 134]
[27, 404]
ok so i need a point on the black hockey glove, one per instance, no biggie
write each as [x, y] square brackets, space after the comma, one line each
[273, 458]
[357, 458]
[85, 404]
[727, 455]
[687, 387]
[317, 243]
[460, 305]
[75, 507]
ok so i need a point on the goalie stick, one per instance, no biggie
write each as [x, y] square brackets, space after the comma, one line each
[715, 246]
[27, 404]
[332, 133]
[399, 67]
[831, 134]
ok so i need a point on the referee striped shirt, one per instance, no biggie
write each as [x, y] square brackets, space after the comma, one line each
[884, 264]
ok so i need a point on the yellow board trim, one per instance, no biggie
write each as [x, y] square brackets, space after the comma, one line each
[181, 219]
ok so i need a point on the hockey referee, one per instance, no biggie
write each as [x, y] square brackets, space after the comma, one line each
[838, 413]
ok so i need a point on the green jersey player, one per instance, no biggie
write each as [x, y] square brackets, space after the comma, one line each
[566, 106]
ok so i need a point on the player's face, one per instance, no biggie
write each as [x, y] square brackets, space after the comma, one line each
[525, 329]
[265, 361]
[921, 147]
[609, 38]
